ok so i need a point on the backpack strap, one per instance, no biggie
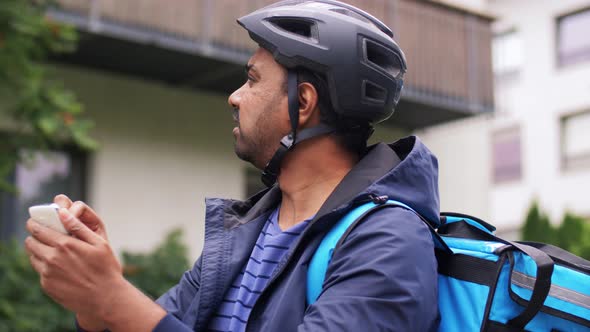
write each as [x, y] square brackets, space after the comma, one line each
[318, 265]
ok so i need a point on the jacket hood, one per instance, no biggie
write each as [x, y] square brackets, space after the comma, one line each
[404, 171]
[415, 180]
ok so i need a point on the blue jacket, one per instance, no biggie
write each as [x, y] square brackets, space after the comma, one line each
[382, 278]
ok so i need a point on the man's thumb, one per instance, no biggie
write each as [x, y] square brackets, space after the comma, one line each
[75, 227]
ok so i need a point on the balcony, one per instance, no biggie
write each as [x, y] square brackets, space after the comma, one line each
[197, 44]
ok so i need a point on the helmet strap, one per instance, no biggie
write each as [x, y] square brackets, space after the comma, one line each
[273, 167]
[293, 100]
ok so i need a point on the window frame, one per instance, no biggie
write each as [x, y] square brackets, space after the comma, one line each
[8, 201]
[563, 159]
[504, 131]
[508, 74]
[558, 60]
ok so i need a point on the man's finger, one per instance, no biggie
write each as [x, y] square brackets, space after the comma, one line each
[43, 234]
[74, 226]
[37, 264]
[85, 214]
[63, 201]
[34, 247]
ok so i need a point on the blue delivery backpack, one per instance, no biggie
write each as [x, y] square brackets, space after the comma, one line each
[485, 283]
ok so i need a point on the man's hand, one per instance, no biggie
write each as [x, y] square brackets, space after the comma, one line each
[80, 271]
[86, 215]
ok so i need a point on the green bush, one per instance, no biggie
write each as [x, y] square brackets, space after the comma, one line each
[156, 272]
[573, 234]
[25, 308]
[537, 227]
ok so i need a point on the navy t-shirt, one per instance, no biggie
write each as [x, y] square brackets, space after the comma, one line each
[271, 245]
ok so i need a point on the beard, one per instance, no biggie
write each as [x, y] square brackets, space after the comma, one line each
[246, 148]
[257, 144]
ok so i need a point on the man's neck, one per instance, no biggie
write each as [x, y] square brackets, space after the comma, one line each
[308, 176]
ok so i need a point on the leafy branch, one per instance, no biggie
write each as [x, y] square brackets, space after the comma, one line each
[38, 113]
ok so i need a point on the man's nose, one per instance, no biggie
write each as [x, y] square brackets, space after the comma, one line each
[234, 99]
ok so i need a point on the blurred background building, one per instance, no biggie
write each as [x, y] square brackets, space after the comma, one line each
[155, 76]
[536, 143]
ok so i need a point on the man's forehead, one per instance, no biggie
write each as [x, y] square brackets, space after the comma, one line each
[261, 58]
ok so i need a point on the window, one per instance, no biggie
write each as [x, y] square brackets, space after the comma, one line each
[506, 155]
[507, 54]
[573, 44]
[38, 180]
[575, 141]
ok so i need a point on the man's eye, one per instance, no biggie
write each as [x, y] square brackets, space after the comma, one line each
[250, 80]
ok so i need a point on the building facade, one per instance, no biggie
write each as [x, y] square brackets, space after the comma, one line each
[536, 145]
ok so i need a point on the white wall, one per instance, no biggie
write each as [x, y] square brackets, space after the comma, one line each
[463, 156]
[163, 150]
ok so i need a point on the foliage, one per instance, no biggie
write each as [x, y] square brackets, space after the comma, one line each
[156, 272]
[573, 234]
[537, 226]
[25, 308]
[40, 114]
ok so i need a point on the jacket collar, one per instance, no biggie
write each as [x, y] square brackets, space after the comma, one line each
[378, 161]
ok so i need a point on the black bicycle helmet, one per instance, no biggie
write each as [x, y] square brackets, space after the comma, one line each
[355, 52]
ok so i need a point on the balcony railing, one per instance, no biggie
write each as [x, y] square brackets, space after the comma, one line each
[448, 50]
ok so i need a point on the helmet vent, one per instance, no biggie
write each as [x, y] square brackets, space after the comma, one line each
[373, 92]
[383, 58]
[298, 27]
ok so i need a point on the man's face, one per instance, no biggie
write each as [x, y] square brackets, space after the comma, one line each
[260, 110]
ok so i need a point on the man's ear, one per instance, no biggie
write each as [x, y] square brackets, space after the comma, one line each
[309, 111]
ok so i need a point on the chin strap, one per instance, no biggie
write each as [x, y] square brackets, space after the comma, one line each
[272, 169]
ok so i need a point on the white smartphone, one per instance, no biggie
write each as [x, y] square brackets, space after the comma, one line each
[47, 216]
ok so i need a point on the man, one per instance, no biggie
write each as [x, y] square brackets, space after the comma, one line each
[325, 72]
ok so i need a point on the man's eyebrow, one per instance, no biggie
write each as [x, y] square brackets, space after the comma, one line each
[250, 67]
